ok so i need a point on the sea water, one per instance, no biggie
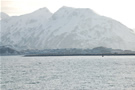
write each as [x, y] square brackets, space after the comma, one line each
[67, 73]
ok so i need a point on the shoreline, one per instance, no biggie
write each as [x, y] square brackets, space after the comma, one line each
[79, 55]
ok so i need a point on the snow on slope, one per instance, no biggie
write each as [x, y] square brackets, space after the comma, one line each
[82, 28]
[22, 31]
[67, 28]
[3, 15]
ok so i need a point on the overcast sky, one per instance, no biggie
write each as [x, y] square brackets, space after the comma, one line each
[121, 10]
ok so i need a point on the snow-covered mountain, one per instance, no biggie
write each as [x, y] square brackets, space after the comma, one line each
[23, 31]
[66, 28]
[3, 15]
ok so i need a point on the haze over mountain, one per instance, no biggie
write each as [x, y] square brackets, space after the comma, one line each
[66, 28]
[134, 29]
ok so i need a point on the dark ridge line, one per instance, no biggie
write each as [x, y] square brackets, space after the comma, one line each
[79, 55]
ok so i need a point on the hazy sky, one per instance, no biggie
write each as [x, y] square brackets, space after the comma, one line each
[121, 10]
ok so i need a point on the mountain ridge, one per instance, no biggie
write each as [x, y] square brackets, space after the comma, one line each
[97, 21]
[68, 28]
[3, 15]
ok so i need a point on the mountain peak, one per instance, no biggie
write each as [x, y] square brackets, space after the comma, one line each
[44, 9]
[66, 9]
[40, 13]
[69, 8]
[69, 12]
[3, 15]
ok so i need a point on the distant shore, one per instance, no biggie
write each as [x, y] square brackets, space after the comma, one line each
[79, 55]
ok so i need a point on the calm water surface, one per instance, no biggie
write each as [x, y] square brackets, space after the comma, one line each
[68, 73]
